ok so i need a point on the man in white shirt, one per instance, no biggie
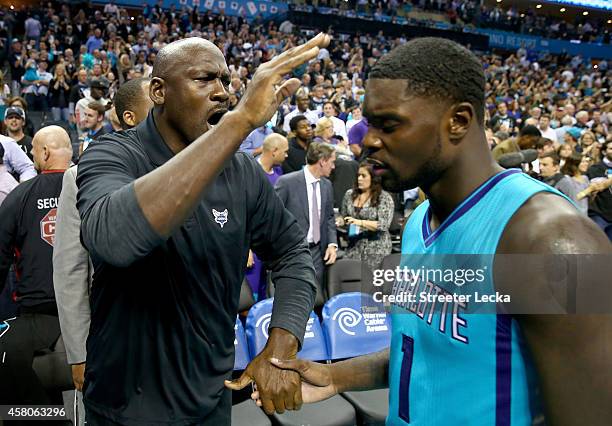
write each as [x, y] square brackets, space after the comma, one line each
[329, 111]
[302, 102]
[546, 130]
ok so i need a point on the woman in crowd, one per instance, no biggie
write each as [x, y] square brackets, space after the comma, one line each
[324, 132]
[585, 163]
[59, 91]
[589, 145]
[368, 211]
[571, 168]
[564, 151]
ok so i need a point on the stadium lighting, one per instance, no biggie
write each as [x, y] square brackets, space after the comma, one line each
[499, 1]
[522, 15]
[595, 66]
[132, 18]
[12, 7]
[609, 21]
[562, 10]
[585, 13]
[539, 6]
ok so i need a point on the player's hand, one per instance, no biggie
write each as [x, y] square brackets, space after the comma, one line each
[262, 97]
[317, 382]
[330, 255]
[78, 375]
[250, 260]
[279, 389]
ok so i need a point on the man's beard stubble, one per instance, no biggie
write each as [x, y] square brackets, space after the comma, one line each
[429, 173]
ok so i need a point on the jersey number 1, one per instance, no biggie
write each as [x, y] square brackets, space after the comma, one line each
[404, 387]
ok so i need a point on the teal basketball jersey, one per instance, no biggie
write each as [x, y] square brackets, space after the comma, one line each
[449, 368]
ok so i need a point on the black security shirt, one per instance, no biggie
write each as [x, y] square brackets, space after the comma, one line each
[27, 232]
[161, 339]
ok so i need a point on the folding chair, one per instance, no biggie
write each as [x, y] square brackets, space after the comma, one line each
[335, 411]
[355, 325]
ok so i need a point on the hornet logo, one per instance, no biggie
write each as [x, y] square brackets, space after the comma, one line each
[220, 217]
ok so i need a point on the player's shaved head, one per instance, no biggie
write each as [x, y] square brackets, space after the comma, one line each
[273, 141]
[180, 52]
[51, 148]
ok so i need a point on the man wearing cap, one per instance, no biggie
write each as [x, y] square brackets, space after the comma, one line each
[98, 88]
[14, 120]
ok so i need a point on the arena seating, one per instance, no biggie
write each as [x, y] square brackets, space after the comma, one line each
[335, 411]
[345, 324]
[348, 275]
[344, 335]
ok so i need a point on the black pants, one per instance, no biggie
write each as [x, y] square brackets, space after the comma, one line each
[26, 335]
[220, 416]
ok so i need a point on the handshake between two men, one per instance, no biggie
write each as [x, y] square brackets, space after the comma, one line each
[286, 383]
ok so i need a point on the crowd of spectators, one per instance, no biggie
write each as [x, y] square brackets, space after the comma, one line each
[66, 63]
[471, 13]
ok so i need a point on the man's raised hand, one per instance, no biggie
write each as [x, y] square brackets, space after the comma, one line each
[262, 96]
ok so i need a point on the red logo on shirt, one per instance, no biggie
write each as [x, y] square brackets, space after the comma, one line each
[47, 227]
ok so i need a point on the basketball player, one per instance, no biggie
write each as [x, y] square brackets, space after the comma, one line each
[425, 105]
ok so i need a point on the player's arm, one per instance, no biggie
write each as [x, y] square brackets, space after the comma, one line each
[182, 180]
[572, 353]
[322, 381]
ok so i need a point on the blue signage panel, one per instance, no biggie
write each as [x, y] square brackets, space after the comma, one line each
[513, 41]
[591, 4]
[246, 8]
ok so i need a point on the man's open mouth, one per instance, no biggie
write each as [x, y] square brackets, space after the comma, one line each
[215, 117]
[378, 167]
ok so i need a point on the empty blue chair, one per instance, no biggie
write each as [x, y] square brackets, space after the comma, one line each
[355, 325]
[246, 413]
[335, 411]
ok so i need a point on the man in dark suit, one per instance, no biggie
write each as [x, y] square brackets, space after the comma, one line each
[309, 196]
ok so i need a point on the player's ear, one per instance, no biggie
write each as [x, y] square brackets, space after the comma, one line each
[157, 90]
[129, 118]
[462, 116]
